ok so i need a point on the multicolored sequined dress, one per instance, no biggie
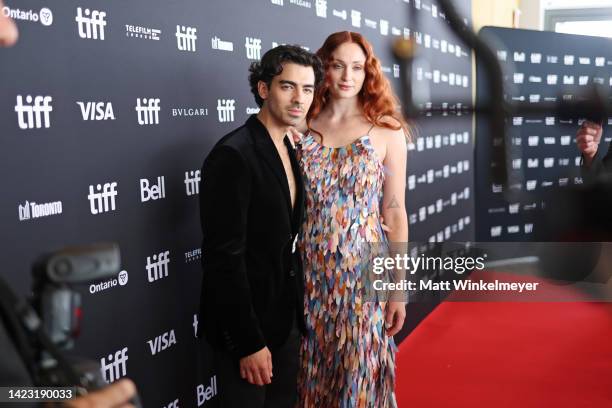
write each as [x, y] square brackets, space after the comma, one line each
[347, 360]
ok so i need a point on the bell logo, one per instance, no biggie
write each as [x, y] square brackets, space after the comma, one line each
[225, 109]
[97, 110]
[192, 182]
[253, 48]
[152, 192]
[148, 111]
[103, 200]
[91, 23]
[206, 394]
[114, 367]
[186, 38]
[163, 342]
[157, 266]
[33, 116]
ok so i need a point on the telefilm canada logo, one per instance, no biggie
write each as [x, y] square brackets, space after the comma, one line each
[193, 255]
[44, 16]
[140, 32]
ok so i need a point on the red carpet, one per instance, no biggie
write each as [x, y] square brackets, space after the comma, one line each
[501, 354]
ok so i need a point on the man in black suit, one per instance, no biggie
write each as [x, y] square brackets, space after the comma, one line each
[251, 207]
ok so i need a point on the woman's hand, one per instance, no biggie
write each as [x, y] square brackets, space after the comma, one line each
[294, 135]
[395, 313]
[384, 227]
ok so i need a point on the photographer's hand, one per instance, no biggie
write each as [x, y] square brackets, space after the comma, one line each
[588, 137]
[117, 394]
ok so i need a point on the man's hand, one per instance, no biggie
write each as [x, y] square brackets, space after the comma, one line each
[587, 140]
[257, 368]
[395, 313]
[117, 394]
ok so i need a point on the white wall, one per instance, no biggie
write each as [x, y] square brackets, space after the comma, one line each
[531, 14]
[557, 4]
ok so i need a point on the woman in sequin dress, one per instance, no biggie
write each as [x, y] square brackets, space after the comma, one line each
[353, 160]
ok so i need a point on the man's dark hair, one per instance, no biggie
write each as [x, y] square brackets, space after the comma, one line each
[271, 65]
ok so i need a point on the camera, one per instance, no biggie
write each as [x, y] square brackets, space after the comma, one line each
[49, 323]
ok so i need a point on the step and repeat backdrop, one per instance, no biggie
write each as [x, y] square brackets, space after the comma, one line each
[107, 111]
[539, 67]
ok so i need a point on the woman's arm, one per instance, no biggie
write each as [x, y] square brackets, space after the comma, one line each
[394, 214]
[394, 196]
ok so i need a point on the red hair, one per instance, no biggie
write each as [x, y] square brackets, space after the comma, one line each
[376, 96]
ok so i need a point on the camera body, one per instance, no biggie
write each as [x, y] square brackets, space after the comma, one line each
[50, 322]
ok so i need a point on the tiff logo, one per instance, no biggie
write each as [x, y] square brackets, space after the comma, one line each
[192, 182]
[152, 192]
[114, 367]
[355, 18]
[225, 108]
[97, 110]
[34, 116]
[157, 266]
[321, 8]
[91, 23]
[186, 38]
[253, 48]
[173, 404]
[148, 111]
[103, 200]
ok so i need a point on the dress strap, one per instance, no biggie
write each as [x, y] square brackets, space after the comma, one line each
[370, 129]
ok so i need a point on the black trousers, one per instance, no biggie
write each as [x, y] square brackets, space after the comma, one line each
[234, 392]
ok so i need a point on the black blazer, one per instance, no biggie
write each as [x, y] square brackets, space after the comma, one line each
[599, 164]
[252, 285]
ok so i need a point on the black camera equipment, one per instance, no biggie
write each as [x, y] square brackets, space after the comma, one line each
[592, 200]
[49, 324]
